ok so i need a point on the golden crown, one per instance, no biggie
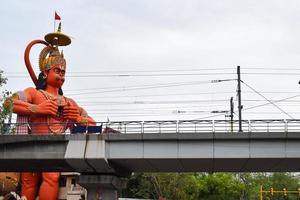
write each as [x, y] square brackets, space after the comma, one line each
[50, 55]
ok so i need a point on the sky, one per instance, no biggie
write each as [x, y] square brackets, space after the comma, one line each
[135, 60]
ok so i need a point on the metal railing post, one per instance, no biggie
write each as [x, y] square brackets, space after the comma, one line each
[159, 129]
[249, 126]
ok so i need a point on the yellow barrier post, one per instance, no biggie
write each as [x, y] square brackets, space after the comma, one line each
[284, 192]
[261, 193]
[272, 191]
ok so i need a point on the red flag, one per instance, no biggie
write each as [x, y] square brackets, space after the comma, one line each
[56, 17]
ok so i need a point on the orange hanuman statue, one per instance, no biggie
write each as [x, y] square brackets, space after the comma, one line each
[46, 110]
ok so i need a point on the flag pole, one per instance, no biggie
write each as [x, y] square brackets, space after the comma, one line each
[56, 17]
[54, 20]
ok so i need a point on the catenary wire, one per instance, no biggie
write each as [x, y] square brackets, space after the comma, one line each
[267, 99]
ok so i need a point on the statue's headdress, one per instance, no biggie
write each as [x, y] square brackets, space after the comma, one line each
[50, 55]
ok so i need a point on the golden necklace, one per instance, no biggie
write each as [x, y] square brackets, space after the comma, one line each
[58, 124]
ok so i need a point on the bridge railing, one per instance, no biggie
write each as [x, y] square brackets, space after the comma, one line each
[195, 126]
[269, 125]
[293, 125]
[180, 126]
[204, 126]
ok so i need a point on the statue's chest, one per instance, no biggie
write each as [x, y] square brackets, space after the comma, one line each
[56, 124]
[42, 96]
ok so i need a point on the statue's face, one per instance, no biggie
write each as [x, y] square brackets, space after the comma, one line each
[56, 76]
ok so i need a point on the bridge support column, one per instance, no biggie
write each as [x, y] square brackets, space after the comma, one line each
[102, 186]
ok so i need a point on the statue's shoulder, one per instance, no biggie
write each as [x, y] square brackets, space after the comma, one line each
[28, 94]
[31, 90]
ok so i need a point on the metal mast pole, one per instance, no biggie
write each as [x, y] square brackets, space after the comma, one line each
[239, 98]
[231, 113]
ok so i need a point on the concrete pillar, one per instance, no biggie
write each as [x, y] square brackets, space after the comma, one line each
[102, 187]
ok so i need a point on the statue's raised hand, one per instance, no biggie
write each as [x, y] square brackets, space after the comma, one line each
[47, 107]
[71, 112]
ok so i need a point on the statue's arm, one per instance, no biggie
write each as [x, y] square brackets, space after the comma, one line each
[21, 103]
[77, 114]
[85, 119]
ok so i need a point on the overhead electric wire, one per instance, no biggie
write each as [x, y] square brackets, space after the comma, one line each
[140, 71]
[297, 68]
[260, 105]
[273, 68]
[93, 75]
[268, 73]
[174, 94]
[139, 86]
[267, 99]
[146, 87]
[270, 112]
[121, 115]
[174, 101]
[173, 107]
[253, 107]
[207, 117]
[137, 96]
[158, 84]
[150, 113]
[149, 102]
[205, 105]
[169, 112]
[158, 95]
[149, 75]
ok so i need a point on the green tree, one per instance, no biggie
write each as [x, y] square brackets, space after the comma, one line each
[5, 111]
[178, 185]
[185, 186]
[175, 186]
[220, 186]
[210, 186]
[140, 185]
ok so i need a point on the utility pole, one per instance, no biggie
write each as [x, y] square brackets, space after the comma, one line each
[231, 113]
[239, 98]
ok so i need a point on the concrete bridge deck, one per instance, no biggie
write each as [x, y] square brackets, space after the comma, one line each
[151, 152]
